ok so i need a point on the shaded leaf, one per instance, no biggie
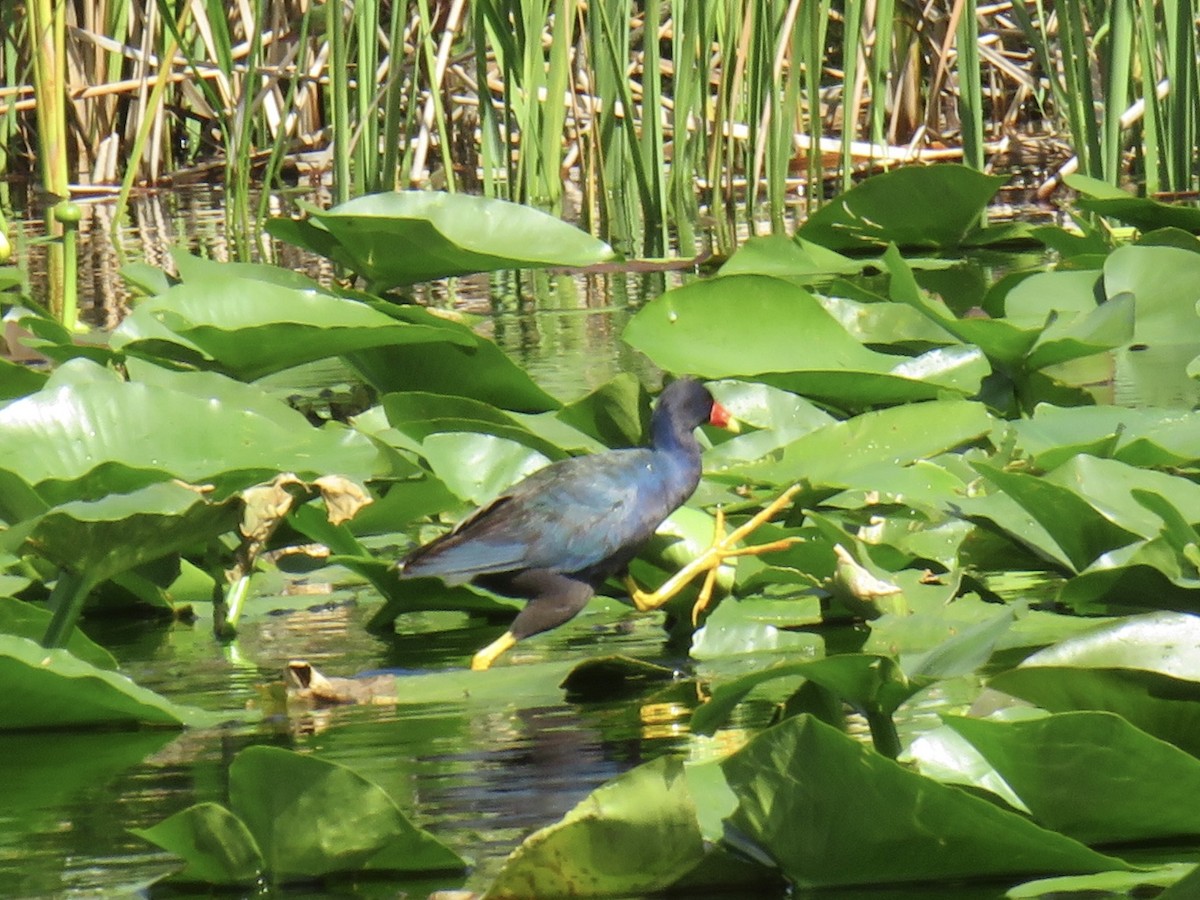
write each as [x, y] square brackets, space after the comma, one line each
[635, 835]
[25, 620]
[214, 843]
[53, 689]
[311, 817]
[895, 208]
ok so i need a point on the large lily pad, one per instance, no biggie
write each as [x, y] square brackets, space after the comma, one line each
[637, 834]
[403, 237]
[837, 454]
[87, 421]
[465, 365]
[1165, 282]
[827, 831]
[53, 689]
[251, 328]
[755, 325]
[1092, 775]
[897, 208]
[1145, 668]
[311, 817]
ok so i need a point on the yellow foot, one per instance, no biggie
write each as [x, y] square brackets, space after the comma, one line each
[710, 560]
[489, 654]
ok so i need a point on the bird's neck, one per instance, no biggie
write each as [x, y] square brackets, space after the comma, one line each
[669, 438]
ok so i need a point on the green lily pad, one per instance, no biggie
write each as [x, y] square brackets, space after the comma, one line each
[21, 619]
[1145, 668]
[1144, 213]
[102, 538]
[465, 365]
[896, 208]
[251, 328]
[1091, 775]
[866, 681]
[638, 834]
[87, 422]
[1112, 885]
[311, 817]
[1079, 531]
[794, 258]
[53, 689]
[214, 843]
[477, 467]
[418, 414]
[831, 812]
[404, 237]
[835, 455]
[1165, 282]
[781, 334]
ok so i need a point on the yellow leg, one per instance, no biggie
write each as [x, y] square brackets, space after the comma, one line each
[710, 560]
[489, 654]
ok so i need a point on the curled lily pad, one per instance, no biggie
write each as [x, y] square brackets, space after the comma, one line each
[403, 237]
[215, 845]
[54, 689]
[1145, 668]
[251, 328]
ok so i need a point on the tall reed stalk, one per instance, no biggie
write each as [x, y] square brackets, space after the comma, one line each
[47, 41]
[661, 111]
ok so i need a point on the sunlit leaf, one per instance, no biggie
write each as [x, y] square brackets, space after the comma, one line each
[404, 237]
[86, 421]
[1145, 668]
[834, 455]
[1165, 283]
[1081, 531]
[779, 332]
[1091, 775]
[783, 257]
[250, 328]
[826, 831]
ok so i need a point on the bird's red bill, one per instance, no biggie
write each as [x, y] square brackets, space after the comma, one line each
[721, 418]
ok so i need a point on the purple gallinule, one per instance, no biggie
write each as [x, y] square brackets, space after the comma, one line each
[555, 537]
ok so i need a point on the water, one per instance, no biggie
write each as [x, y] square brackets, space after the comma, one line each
[480, 777]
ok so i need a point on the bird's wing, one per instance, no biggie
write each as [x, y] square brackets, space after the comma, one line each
[568, 517]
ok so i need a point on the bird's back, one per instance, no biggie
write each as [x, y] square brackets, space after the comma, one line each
[586, 515]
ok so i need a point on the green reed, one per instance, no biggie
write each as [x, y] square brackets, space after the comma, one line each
[659, 111]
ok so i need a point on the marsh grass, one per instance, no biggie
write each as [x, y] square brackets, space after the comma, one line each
[658, 112]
